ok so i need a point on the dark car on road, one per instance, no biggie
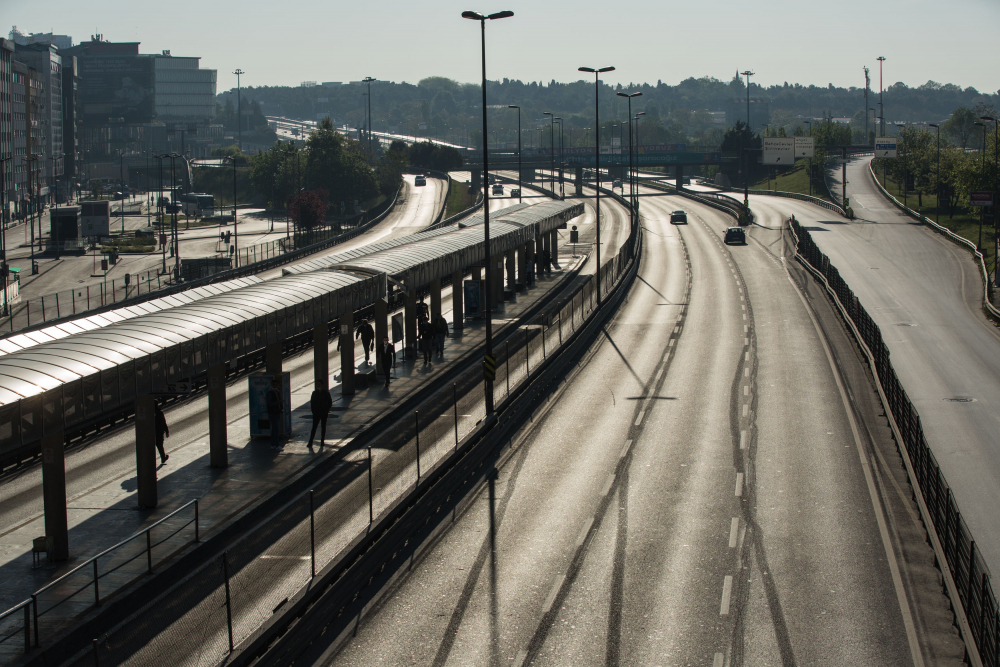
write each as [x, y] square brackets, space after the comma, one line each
[678, 218]
[736, 235]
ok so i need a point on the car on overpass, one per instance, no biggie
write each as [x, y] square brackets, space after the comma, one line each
[420, 180]
[678, 218]
[498, 189]
[735, 235]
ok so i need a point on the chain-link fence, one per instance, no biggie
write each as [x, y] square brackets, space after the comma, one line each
[970, 573]
[224, 602]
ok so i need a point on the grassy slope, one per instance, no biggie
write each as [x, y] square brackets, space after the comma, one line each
[794, 180]
[459, 199]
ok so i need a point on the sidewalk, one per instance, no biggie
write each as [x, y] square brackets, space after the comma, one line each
[107, 512]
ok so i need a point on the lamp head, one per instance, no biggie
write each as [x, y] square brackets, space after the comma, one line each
[500, 15]
[513, 106]
[933, 125]
[475, 16]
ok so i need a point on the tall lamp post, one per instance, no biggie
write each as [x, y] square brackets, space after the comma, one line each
[33, 158]
[552, 151]
[236, 227]
[937, 175]
[746, 171]
[635, 172]
[881, 106]
[514, 106]
[631, 186]
[488, 383]
[597, 162]
[562, 191]
[995, 166]
[371, 153]
[239, 107]
[982, 182]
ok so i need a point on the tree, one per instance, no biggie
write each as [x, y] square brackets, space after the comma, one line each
[337, 165]
[308, 208]
[961, 126]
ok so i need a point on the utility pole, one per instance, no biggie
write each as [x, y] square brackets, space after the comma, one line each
[746, 171]
[597, 165]
[239, 109]
[867, 82]
[371, 152]
[881, 107]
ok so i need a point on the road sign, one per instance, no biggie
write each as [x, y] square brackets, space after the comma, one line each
[981, 198]
[805, 147]
[489, 367]
[885, 147]
[177, 388]
[779, 150]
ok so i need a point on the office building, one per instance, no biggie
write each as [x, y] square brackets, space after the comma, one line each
[6, 128]
[46, 138]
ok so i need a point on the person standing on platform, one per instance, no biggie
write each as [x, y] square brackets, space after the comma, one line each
[426, 334]
[160, 421]
[319, 404]
[440, 331]
[367, 336]
[387, 355]
[275, 413]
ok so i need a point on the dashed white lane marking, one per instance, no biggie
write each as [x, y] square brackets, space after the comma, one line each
[745, 409]
[727, 592]
[670, 343]
[677, 328]
[746, 371]
[718, 661]
[744, 316]
[746, 390]
[621, 455]
[746, 356]
[746, 329]
[659, 374]
[547, 607]
[523, 655]
[746, 341]
[607, 484]
[734, 531]
[739, 484]
[743, 439]
[586, 531]
[638, 420]
[743, 307]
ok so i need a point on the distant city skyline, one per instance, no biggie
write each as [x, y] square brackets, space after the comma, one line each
[284, 45]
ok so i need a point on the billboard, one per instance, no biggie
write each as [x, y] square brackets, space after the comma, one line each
[805, 147]
[779, 150]
[885, 147]
[981, 198]
[117, 86]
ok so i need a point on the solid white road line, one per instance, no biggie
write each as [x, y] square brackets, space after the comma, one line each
[625, 448]
[727, 592]
[586, 531]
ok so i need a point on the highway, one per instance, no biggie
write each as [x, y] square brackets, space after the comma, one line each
[698, 492]
[925, 293]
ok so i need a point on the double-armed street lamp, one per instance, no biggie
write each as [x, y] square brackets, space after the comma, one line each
[239, 107]
[514, 106]
[746, 172]
[597, 163]
[488, 301]
[631, 187]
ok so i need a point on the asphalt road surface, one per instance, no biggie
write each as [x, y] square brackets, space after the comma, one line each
[925, 293]
[696, 494]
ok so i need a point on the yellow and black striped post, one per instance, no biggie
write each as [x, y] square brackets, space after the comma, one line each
[489, 367]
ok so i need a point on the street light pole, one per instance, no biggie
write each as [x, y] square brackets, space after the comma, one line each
[881, 106]
[562, 192]
[597, 162]
[371, 152]
[552, 152]
[993, 208]
[631, 185]
[982, 181]
[937, 176]
[236, 227]
[487, 382]
[746, 171]
[239, 108]
[514, 106]
[635, 173]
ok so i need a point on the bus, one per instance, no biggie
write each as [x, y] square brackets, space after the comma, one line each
[198, 203]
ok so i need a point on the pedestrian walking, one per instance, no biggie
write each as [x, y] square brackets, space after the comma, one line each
[319, 404]
[275, 413]
[423, 310]
[426, 335]
[160, 422]
[547, 262]
[367, 336]
[440, 331]
[387, 355]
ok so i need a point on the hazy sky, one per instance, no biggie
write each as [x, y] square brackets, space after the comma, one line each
[285, 43]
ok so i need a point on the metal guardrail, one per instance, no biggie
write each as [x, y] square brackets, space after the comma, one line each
[91, 568]
[950, 234]
[966, 575]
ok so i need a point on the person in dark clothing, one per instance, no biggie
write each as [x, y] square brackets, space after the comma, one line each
[547, 262]
[275, 413]
[426, 334]
[319, 403]
[440, 331]
[423, 310]
[387, 355]
[367, 336]
[160, 421]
